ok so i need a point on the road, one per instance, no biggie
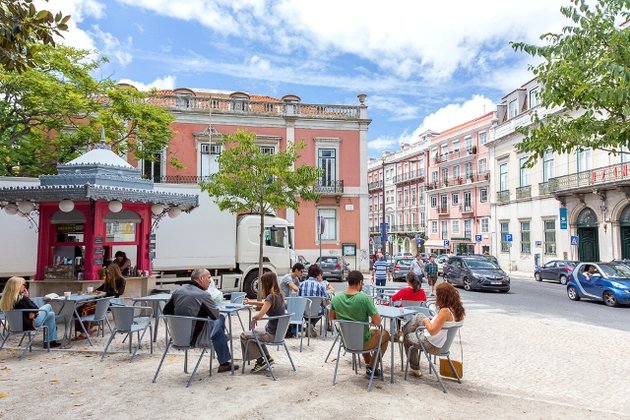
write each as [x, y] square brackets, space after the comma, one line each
[543, 299]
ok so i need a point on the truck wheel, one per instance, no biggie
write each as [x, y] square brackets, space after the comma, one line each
[251, 284]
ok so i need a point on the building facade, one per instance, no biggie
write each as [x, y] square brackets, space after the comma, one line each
[457, 189]
[335, 138]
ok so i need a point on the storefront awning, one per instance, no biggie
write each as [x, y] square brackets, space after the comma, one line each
[435, 243]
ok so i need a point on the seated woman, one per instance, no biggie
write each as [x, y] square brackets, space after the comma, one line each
[434, 336]
[413, 291]
[16, 296]
[273, 305]
[124, 263]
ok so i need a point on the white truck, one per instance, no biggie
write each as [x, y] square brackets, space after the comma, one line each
[220, 241]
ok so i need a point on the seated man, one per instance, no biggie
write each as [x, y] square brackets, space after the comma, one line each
[353, 305]
[589, 272]
[192, 299]
[313, 286]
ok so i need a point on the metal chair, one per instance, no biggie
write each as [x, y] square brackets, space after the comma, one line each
[312, 311]
[406, 303]
[296, 306]
[181, 338]
[100, 315]
[237, 297]
[278, 340]
[444, 352]
[126, 322]
[15, 326]
[64, 312]
[351, 339]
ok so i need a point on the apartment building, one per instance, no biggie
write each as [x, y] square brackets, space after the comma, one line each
[335, 139]
[457, 188]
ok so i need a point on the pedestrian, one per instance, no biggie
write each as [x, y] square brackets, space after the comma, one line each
[417, 266]
[192, 299]
[380, 272]
[431, 269]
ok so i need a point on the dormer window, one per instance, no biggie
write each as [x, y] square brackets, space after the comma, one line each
[513, 108]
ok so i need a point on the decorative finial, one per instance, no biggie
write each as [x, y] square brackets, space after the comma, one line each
[102, 144]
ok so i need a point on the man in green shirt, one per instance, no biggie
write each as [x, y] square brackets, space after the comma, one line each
[354, 305]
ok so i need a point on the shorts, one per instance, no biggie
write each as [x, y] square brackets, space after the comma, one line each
[431, 280]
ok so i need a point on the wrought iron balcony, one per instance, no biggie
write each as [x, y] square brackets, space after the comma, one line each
[326, 187]
[376, 185]
[409, 177]
[181, 179]
[524, 192]
[614, 174]
[442, 209]
[503, 196]
[466, 209]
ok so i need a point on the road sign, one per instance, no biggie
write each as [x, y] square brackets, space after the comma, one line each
[446, 242]
[575, 240]
[419, 241]
[563, 218]
[508, 237]
[478, 238]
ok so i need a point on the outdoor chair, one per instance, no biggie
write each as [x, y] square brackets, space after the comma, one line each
[64, 312]
[312, 312]
[351, 339]
[181, 330]
[100, 315]
[278, 340]
[238, 298]
[296, 306]
[417, 309]
[444, 352]
[127, 322]
[15, 326]
[406, 303]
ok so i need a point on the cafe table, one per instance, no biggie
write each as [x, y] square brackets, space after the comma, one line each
[155, 302]
[69, 310]
[228, 309]
[393, 314]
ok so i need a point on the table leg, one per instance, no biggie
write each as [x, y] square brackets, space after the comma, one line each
[231, 338]
[392, 325]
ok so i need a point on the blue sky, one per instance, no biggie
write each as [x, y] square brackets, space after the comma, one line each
[423, 64]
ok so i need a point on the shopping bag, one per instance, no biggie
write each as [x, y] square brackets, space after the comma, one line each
[447, 372]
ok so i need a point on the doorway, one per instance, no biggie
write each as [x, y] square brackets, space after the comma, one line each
[587, 231]
[624, 230]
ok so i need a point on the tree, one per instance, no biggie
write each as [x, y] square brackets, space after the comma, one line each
[252, 181]
[53, 112]
[585, 72]
[23, 29]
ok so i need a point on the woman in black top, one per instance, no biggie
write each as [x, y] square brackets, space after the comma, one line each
[114, 282]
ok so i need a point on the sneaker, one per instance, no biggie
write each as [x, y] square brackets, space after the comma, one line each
[261, 365]
[226, 367]
[368, 372]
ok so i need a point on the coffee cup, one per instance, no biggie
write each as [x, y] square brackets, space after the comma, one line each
[90, 289]
[67, 294]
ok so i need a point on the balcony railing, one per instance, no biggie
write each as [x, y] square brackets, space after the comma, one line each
[442, 209]
[503, 196]
[410, 177]
[591, 178]
[329, 187]
[203, 105]
[543, 188]
[377, 185]
[467, 209]
[524, 192]
[181, 179]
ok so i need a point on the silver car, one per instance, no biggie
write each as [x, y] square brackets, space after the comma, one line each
[476, 273]
[333, 267]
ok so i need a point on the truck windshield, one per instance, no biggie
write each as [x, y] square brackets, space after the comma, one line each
[275, 236]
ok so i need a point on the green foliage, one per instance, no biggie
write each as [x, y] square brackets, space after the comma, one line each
[53, 112]
[585, 74]
[23, 29]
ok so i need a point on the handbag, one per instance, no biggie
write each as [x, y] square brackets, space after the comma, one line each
[445, 368]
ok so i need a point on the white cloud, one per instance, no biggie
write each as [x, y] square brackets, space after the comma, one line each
[454, 114]
[112, 47]
[382, 144]
[78, 10]
[161, 83]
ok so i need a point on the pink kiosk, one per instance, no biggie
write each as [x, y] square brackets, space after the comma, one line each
[96, 205]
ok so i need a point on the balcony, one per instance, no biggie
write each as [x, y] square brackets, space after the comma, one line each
[543, 188]
[409, 177]
[325, 187]
[607, 176]
[442, 209]
[181, 179]
[377, 185]
[467, 209]
[524, 192]
[503, 196]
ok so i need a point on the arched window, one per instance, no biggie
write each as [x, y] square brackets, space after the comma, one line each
[587, 218]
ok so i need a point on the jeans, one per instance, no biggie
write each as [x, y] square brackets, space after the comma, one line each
[219, 341]
[47, 318]
[380, 282]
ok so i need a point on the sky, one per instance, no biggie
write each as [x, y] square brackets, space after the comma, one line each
[423, 64]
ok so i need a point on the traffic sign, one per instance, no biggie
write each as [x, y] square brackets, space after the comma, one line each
[446, 242]
[508, 237]
[575, 240]
[478, 238]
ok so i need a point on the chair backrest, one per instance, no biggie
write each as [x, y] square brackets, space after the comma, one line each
[351, 333]
[281, 327]
[237, 297]
[102, 305]
[450, 336]
[313, 309]
[296, 306]
[14, 320]
[368, 289]
[64, 309]
[123, 317]
[420, 310]
[39, 301]
[405, 303]
[181, 330]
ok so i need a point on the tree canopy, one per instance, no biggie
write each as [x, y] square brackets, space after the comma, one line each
[51, 113]
[23, 30]
[250, 180]
[586, 73]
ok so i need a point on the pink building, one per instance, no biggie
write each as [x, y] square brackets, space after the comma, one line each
[457, 188]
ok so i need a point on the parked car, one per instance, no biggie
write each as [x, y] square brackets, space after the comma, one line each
[609, 284]
[400, 268]
[404, 255]
[557, 270]
[333, 267]
[476, 273]
[441, 261]
[487, 257]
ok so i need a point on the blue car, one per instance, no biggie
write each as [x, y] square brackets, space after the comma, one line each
[607, 282]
